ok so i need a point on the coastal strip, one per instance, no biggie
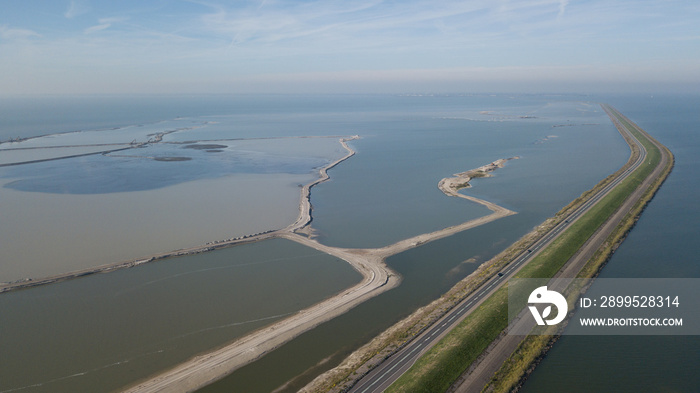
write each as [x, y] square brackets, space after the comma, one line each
[421, 323]
[202, 370]
[103, 152]
[513, 359]
[377, 278]
[562, 253]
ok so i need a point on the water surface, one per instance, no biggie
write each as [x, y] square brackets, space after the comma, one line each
[661, 245]
[363, 207]
[106, 331]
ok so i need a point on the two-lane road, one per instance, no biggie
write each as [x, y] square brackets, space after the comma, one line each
[392, 368]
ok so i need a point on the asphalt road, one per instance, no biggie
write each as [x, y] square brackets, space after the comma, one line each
[392, 368]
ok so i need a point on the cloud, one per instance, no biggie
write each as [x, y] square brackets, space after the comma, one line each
[7, 33]
[76, 8]
[369, 44]
[562, 8]
[334, 25]
[96, 28]
[104, 23]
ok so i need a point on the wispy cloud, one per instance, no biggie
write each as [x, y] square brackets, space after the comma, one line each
[76, 8]
[96, 28]
[7, 33]
[562, 7]
[375, 24]
[103, 23]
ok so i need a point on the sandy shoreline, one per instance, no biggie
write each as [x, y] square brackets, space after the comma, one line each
[304, 218]
[202, 370]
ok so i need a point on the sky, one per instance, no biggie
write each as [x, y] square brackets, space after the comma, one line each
[350, 46]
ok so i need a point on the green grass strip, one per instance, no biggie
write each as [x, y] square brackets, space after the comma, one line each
[532, 348]
[436, 370]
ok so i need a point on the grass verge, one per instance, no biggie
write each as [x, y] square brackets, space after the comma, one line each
[532, 349]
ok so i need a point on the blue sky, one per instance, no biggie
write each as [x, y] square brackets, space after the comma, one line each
[174, 46]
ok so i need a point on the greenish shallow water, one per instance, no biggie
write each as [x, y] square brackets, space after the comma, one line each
[106, 331]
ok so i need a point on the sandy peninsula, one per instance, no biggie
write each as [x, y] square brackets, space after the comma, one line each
[377, 278]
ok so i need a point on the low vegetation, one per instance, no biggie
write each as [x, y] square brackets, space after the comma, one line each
[531, 350]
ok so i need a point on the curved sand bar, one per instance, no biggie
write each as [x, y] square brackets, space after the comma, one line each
[377, 278]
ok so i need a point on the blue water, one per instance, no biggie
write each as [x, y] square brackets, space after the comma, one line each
[136, 170]
[388, 191]
[663, 244]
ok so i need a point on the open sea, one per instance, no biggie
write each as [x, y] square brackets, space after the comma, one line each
[105, 332]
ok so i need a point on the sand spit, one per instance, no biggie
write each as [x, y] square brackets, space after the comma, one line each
[377, 278]
[305, 203]
[303, 220]
[202, 370]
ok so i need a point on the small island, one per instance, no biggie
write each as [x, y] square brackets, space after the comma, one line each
[450, 185]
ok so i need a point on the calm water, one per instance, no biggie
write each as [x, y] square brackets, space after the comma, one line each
[81, 212]
[389, 191]
[662, 244]
[427, 272]
[105, 331]
[386, 192]
[45, 234]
